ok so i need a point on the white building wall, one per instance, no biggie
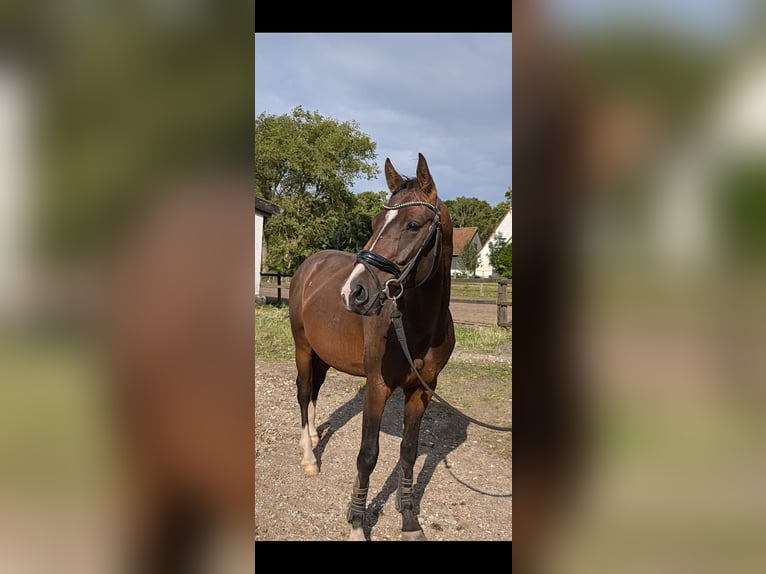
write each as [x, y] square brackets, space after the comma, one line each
[258, 250]
[506, 229]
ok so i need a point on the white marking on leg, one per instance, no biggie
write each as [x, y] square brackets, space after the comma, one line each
[309, 461]
[313, 424]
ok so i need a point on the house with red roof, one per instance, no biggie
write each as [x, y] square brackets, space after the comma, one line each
[461, 237]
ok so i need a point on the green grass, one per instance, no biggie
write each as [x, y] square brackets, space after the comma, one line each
[487, 340]
[474, 289]
[273, 339]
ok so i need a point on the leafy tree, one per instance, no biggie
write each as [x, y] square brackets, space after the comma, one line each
[508, 193]
[304, 152]
[495, 247]
[352, 233]
[504, 261]
[469, 258]
[307, 163]
[473, 212]
[370, 202]
[470, 212]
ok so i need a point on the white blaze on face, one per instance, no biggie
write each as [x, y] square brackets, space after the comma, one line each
[345, 291]
[389, 218]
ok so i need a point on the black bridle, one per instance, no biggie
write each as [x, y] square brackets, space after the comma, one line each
[394, 288]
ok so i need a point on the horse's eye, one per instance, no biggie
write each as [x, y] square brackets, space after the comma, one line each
[413, 226]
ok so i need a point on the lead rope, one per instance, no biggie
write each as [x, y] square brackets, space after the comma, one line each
[396, 319]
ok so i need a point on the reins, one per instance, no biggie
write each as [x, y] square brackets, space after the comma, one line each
[396, 319]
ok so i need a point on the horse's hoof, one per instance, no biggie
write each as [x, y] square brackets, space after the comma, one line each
[414, 535]
[310, 468]
[314, 440]
[357, 535]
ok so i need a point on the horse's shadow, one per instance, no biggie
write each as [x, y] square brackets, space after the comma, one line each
[441, 432]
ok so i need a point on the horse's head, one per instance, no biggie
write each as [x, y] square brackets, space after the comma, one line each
[410, 243]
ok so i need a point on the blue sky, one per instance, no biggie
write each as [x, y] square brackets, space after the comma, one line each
[445, 95]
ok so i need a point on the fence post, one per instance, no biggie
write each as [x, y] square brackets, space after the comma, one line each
[279, 287]
[502, 303]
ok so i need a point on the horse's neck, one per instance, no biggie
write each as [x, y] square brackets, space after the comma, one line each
[430, 299]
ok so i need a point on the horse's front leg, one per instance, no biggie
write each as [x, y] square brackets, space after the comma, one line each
[416, 400]
[375, 397]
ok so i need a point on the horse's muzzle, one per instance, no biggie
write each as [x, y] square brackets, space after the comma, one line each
[361, 301]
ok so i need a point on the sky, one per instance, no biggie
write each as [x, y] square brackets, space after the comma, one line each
[445, 95]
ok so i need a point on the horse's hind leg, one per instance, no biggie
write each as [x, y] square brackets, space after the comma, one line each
[318, 374]
[311, 374]
[416, 401]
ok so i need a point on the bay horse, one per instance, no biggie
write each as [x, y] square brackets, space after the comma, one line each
[340, 315]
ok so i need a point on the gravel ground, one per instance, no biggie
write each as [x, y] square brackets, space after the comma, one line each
[463, 473]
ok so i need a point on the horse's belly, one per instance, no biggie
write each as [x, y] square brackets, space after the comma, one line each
[339, 342]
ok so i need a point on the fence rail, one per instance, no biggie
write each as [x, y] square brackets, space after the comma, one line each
[490, 291]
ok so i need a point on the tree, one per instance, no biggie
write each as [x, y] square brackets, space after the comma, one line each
[304, 152]
[495, 247]
[469, 258]
[470, 212]
[508, 194]
[504, 261]
[473, 212]
[352, 233]
[307, 163]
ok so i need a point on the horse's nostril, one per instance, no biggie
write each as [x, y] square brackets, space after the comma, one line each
[360, 295]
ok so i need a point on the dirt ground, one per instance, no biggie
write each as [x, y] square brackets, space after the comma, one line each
[463, 488]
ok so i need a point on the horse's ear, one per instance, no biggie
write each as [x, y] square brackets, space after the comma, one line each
[393, 179]
[425, 180]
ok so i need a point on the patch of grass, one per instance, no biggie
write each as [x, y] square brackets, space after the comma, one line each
[497, 372]
[273, 339]
[488, 340]
[474, 290]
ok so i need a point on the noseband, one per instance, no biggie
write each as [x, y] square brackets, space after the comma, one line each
[394, 287]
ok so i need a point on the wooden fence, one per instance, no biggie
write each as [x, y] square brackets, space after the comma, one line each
[503, 303]
[494, 292]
